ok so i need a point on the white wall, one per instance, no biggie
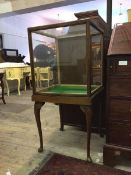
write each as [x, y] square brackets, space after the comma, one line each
[14, 30]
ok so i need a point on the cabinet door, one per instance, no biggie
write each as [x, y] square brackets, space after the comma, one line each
[120, 134]
[72, 115]
[120, 110]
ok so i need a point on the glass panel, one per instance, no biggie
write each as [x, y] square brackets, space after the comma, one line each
[60, 32]
[44, 56]
[60, 60]
[72, 58]
[93, 30]
[96, 47]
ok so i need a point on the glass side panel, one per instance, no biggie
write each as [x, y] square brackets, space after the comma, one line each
[93, 30]
[60, 60]
[44, 57]
[60, 32]
[96, 47]
[72, 60]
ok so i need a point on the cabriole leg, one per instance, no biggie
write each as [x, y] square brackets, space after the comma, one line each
[88, 112]
[37, 108]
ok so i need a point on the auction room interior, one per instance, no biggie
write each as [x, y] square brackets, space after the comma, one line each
[65, 80]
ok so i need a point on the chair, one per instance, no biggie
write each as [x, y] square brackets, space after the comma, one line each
[14, 74]
[45, 74]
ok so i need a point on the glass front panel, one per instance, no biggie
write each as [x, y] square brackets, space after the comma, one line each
[61, 56]
[60, 60]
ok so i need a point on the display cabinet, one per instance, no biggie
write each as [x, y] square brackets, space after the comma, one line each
[74, 53]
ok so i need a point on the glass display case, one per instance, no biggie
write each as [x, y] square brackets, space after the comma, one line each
[67, 67]
[69, 61]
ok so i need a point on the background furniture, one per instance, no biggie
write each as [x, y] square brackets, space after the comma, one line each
[118, 139]
[72, 115]
[15, 69]
[45, 74]
[12, 55]
[27, 76]
[14, 74]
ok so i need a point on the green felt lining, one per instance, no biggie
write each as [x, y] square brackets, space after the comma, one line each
[69, 89]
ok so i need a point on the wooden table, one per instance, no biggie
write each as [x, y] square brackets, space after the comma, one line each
[66, 97]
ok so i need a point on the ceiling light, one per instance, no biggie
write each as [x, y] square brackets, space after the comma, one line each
[59, 28]
[120, 13]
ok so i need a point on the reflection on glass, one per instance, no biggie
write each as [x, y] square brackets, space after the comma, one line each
[97, 59]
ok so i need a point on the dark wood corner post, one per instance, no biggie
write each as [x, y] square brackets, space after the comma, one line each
[37, 108]
[88, 113]
[109, 16]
